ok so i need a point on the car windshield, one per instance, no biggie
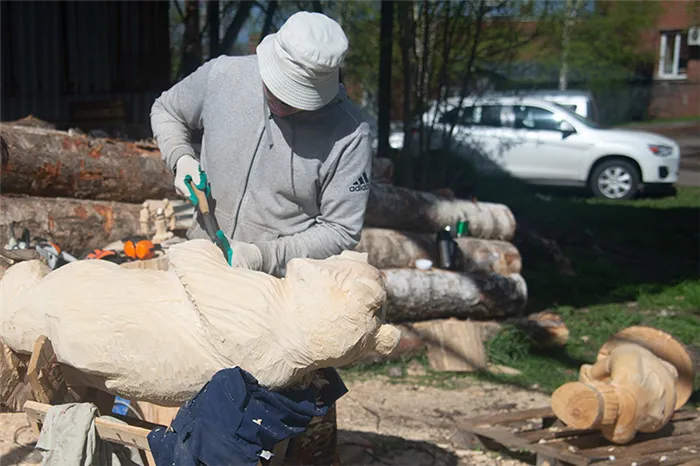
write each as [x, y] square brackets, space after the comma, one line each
[582, 119]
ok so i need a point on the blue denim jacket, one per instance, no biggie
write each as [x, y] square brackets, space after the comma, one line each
[233, 420]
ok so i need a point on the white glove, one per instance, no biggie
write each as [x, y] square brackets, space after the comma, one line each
[246, 255]
[186, 165]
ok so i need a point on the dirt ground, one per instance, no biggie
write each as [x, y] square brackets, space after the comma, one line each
[379, 422]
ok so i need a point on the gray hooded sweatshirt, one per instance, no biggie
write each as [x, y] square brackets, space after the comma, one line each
[295, 186]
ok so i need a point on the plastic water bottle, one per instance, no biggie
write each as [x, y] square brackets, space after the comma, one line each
[121, 406]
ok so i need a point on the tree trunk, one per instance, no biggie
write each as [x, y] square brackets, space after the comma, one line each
[213, 16]
[234, 28]
[385, 58]
[44, 162]
[77, 226]
[192, 43]
[269, 17]
[400, 249]
[406, 209]
[406, 34]
[415, 295]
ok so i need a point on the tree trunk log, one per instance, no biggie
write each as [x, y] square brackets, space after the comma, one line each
[406, 209]
[77, 226]
[415, 295]
[44, 162]
[400, 249]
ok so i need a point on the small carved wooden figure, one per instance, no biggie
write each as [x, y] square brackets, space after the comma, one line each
[641, 376]
[162, 233]
[145, 219]
[169, 213]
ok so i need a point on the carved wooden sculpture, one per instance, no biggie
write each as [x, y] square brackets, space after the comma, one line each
[145, 219]
[169, 213]
[159, 336]
[161, 227]
[641, 376]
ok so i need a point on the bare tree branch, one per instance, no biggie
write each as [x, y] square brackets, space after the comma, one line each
[269, 17]
[242, 14]
[179, 10]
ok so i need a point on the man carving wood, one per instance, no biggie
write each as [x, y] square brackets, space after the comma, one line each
[287, 154]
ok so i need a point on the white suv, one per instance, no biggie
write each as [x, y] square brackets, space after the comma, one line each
[545, 143]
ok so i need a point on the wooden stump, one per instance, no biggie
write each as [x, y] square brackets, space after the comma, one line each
[454, 345]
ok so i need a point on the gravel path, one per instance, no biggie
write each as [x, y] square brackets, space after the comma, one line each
[380, 423]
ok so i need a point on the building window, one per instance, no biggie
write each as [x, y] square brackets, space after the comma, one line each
[673, 55]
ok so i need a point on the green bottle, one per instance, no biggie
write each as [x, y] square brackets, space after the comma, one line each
[462, 228]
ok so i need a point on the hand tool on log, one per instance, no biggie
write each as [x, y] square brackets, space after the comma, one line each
[199, 196]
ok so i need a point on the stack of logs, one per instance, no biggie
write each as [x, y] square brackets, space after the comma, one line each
[84, 193]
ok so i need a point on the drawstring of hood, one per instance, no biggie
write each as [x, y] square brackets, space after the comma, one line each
[291, 160]
[266, 121]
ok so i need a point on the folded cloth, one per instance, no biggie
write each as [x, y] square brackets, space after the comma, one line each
[68, 436]
[234, 420]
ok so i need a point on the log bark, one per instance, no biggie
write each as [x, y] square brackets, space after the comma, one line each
[416, 295]
[77, 226]
[50, 163]
[400, 249]
[406, 209]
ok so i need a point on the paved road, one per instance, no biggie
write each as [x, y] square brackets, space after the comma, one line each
[690, 160]
[687, 135]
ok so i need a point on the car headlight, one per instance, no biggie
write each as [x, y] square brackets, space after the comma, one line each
[661, 151]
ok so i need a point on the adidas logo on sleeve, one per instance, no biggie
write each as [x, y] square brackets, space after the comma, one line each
[362, 184]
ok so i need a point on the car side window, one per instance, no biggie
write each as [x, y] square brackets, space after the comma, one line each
[535, 118]
[488, 115]
[450, 117]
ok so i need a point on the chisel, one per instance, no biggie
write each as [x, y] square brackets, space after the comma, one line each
[199, 195]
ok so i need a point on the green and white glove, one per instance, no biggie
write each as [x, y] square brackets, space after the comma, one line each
[186, 165]
[246, 256]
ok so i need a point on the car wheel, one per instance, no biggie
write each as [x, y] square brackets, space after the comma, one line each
[615, 179]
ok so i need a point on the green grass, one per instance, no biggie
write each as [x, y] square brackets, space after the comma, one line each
[635, 262]
[675, 310]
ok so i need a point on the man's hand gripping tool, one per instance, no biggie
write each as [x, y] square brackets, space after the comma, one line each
[200, 195]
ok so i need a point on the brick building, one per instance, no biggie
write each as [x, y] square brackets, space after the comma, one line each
[676, 87]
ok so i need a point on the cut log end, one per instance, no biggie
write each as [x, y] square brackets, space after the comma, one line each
[578, 405]
[585, 405]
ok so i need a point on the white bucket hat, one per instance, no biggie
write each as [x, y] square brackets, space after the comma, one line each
[300, 63]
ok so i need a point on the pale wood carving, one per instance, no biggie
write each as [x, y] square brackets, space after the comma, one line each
[641, 376]
[145, 219]
[161, 227]
[158, 336]
[169, 212]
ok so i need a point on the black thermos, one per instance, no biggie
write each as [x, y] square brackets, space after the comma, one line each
[446, 249]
